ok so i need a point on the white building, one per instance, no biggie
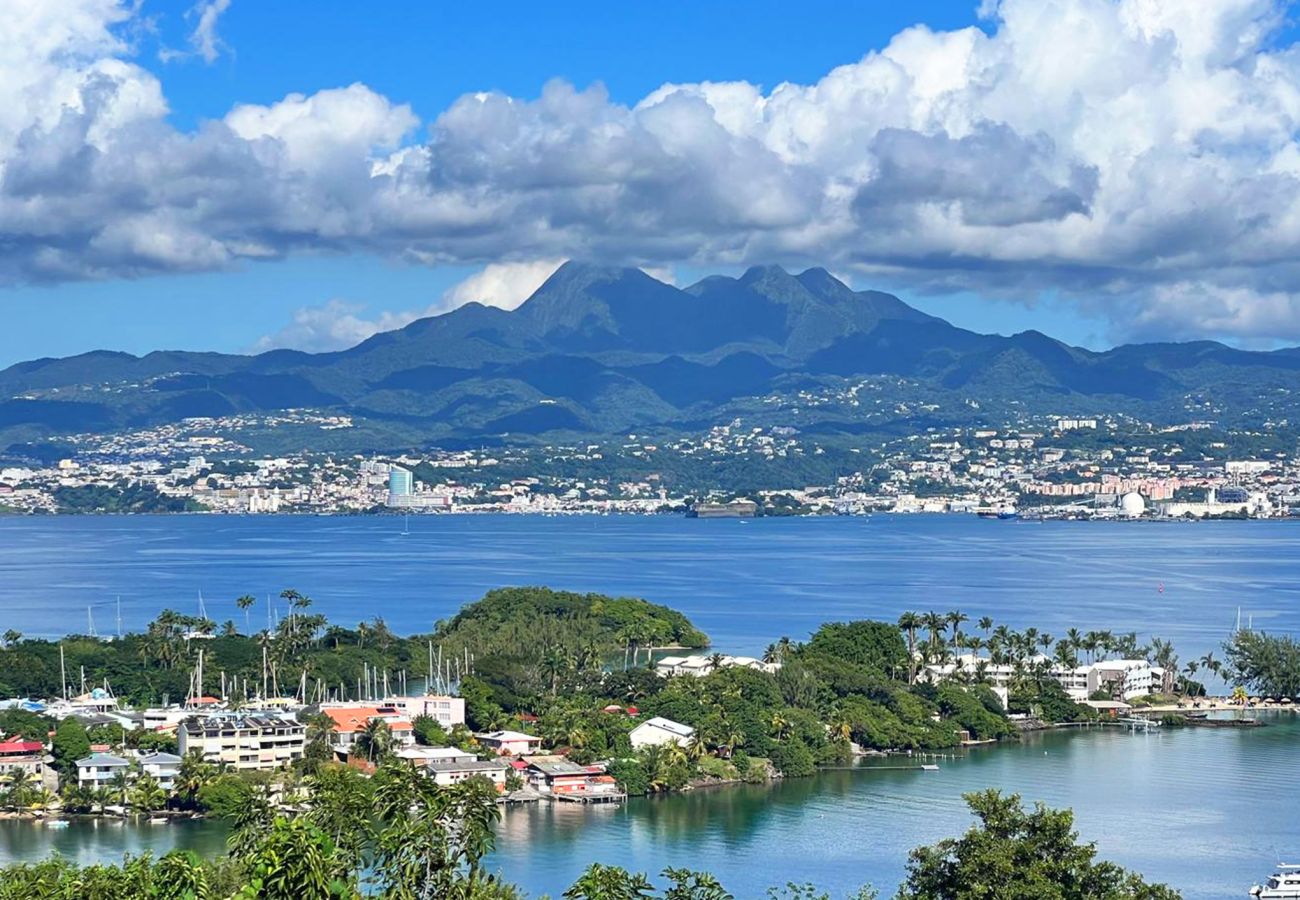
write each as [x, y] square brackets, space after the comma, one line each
[164, 767]
[659, 731]
[350, 720]
[1126, 678]
[425, 756]
[448, 773]
[703, 665]
[446, 711]
[99, 769]
[244, 741]
[509, 743]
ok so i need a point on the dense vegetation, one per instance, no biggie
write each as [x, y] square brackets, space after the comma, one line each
[515, 632]
[400, 836]
[1267, 664]
[119, 497]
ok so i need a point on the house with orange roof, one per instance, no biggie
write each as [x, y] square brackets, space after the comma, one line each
[351, 720]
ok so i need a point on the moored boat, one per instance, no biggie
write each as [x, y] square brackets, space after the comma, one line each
[1284, 884]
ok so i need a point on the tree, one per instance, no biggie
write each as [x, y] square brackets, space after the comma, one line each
[11, 637]
[245, 603]
[71, 743]
[1264, 663]
[1012, 854]
[375, 740]
[146, 795]
[909, 622]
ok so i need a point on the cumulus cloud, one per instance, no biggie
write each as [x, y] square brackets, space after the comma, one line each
[338, 324]
[334, 325]
[1138, 156]
[501, 284]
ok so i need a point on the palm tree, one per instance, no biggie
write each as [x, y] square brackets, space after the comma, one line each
[936, 624]
[909, 622]
[246, 603]
[375, 739]
[146, 795]
[955, 619]
[715, 661]
[985, 623]
[118, 785]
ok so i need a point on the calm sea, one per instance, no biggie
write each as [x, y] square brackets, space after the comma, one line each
[1205, 810]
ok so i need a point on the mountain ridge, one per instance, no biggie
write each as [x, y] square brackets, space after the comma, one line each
[599, 349]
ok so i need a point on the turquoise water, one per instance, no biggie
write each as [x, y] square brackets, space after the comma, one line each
[1208, 811]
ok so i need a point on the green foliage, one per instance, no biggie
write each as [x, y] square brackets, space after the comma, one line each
[1048, 701]
[966, 709]
[71, 743]
[631, 776]
[28, 726]
[428, 732]
[1266, 664]
[875, 646]
[1012, 854]
[119, 497]
[793, 759]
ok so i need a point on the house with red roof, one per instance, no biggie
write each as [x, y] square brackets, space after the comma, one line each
[19, 755]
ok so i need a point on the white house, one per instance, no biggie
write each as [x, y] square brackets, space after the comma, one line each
[448, 773]
[659, 731]
[509, 743]
[164, 767]
[98, 769]
[424, 756]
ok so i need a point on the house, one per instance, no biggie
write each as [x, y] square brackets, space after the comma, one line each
[22, 756]
[351, 721]
[164, 767]
[446, 711]
[422, 756]
[447, 773]
[99, 769]
[703, 665]
[244, 741]
[509, 743]
[659, 731]
[566, 780]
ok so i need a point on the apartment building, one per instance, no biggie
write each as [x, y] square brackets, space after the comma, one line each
[244, 741]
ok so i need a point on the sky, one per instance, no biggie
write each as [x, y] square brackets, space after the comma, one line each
[237, 175]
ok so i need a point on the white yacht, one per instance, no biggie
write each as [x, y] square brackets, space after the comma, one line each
[1283, 885]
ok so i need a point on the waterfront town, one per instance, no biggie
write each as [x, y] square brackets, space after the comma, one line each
[102, 756]
[1054, 467]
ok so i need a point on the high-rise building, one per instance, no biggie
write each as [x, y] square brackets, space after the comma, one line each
[400, 483]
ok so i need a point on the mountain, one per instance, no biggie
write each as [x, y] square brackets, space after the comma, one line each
[599, 350]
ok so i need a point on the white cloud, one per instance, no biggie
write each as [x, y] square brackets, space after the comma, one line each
[1114, 151]
[501, 284]
[334, 326]
[204, 41]
[339, 324]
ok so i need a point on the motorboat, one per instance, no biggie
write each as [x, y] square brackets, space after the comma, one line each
[1284, 884]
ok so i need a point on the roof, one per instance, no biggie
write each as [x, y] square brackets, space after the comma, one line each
[243, 721]
[476, 765]
[160, 758]
[349, 719]
[555, 765]
[9, 748]
[669, 726]
[102, 760]
[505, 737]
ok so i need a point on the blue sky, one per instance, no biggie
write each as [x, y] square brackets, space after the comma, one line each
[211, 291]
